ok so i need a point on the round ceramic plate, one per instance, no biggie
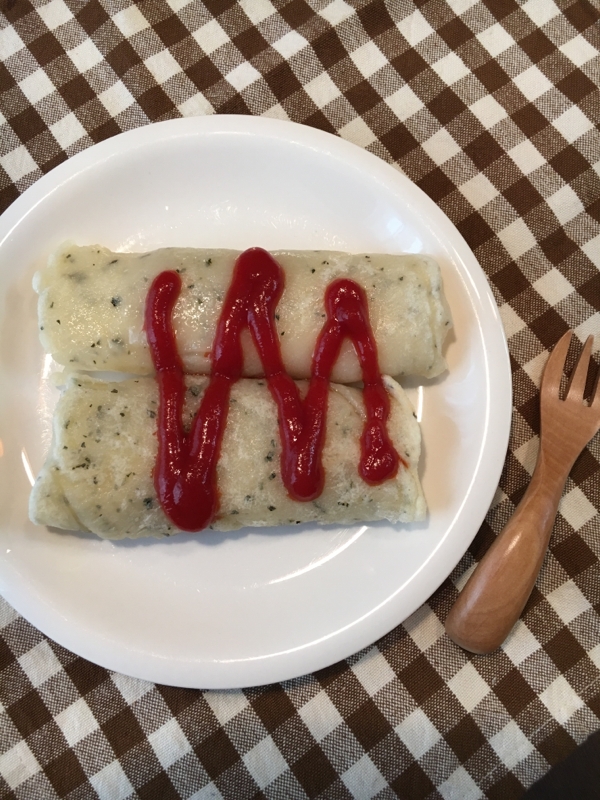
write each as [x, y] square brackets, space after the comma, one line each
[223, 610]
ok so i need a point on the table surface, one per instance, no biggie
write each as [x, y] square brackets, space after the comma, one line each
[493, 109]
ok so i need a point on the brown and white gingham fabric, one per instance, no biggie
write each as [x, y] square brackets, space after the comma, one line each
[493, 108]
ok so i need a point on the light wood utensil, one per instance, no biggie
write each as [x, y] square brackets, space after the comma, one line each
[496, 593]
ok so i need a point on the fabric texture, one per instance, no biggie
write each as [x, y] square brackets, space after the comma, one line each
[493, 109]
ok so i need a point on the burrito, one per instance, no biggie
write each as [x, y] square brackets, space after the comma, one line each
[98, 475]
[92, 302]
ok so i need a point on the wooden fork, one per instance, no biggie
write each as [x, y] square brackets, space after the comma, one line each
[496, 593]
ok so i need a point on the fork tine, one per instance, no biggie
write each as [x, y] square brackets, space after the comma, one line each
[555, 364]
[578, 378]
[595, 401]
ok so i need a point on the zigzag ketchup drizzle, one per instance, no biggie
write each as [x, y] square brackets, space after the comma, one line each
[185, 474]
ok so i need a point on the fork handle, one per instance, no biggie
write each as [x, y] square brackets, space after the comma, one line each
[495, 594]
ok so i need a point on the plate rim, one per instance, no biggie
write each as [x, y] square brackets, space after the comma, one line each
[498, 381]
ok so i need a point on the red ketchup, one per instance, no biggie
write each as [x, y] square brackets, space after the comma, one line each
[185, 475]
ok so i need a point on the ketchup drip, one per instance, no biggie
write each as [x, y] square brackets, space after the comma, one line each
[185, 474]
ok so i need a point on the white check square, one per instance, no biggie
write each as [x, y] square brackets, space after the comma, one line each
[520, 644]
[511, 321]
[76, 722]
[511, 745]
[290, 44]
[553, 286]
[336, 12]
[257, 10]
[441, 147]
[116, 98]
[576, 508]
[67, 131]
[568, 601]
[111, 783]
[532, 83]
[40, 663]
[169, 743]
[195, 106]
[130, 21]
[36, 86]
[322, 90]
[479, 191]
[535, 367]
[85, 56]
[162, 66]
[363, 779]
[18, 163]
[210, 37]
[527, 157]
[565, 204]
[132, 689]
[18, 764]
[460, 786]
[10, 42]
[578, 50]
[541, 11]
[358, 132]
[572, 124]
[54, 14]
[320, 716]
[414, 28]
[517, 238]
[460, 6]
[424, 627]
[226, 705]
[418, 733]
[451, 68]
[495, 39]
[488, 111]
[242, 76]
[373, 671]
[265, 762]
[592, 250]
[404, 103]
[561, 700]
[469, 687]
[368, 59]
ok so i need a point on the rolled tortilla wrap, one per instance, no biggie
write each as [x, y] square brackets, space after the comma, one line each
[91, 309]
[98, 474]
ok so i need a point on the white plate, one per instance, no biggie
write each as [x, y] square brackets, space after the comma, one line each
[220, 610]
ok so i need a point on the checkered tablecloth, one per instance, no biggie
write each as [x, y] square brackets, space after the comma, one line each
[493, 109]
